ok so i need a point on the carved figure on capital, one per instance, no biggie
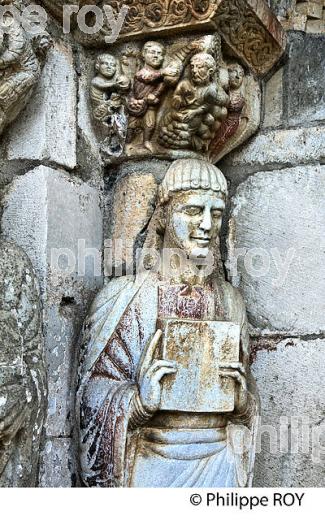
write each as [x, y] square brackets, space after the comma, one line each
[107, 94]
[199, 105]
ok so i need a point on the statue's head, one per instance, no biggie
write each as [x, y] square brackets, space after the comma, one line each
[203, 68]
[106, 65]
[193, 198]
[153, 54]
[236, 75]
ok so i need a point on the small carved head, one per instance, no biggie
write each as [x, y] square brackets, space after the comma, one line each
[153, 54]
[193, 195]
[203, 68]
[106, 65]
[236, 75]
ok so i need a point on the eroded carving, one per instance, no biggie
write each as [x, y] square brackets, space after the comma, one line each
[21, 60]
[199, 105]
[108, 103]
[149, 346]
[22, 370]
[248, 26]
[171, 100]
[148, 88]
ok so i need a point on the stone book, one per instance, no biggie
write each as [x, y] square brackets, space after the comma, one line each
[199, 347]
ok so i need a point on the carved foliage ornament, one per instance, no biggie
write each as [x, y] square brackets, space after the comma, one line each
[248, 26]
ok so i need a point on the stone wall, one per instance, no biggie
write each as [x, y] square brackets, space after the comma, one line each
[276, 254]
[59, 200]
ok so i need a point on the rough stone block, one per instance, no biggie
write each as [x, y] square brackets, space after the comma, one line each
[46, 130]
[311, 9]
[316, 26]
[273, 100]
[305, 79]
[277, 247]
[133, 205]
[58, 222]
[291, 387]
[278, 147]
[58, 468]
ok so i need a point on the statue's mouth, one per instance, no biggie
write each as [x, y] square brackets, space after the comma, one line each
[202, 240]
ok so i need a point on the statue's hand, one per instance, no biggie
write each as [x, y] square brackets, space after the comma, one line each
[237, 372]
[13, 410]
[150, 376]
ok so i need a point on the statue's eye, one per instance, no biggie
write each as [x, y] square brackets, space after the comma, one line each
[216, 213]
[193, 211]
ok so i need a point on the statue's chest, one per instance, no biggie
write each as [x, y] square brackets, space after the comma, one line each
[181, 301]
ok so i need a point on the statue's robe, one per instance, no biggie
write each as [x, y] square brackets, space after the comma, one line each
[22, 370]
[114, 451]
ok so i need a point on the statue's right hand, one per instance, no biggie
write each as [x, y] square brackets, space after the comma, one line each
[150, 376]
[150, 386]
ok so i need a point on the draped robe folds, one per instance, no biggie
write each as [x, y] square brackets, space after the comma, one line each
[113, 452]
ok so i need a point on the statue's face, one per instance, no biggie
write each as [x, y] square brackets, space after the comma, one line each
[154, 56]
[236, 76]
[194, 220]
[201, 71]
[107, 66]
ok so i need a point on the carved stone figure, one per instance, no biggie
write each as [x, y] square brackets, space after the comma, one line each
[148, 410]
[108, 104]
[21, 59]
[23, 389]
[236, 104]
[146, 94]
[199, 105]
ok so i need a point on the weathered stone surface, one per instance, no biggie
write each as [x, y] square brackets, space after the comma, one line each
[133, 204]
[305, 85]
[285, 147]
[273, 101]
[59, 223]
[279, 218]
[46, 130]
[58, 468]
[89, 159]
[23, 388]
[290, 381]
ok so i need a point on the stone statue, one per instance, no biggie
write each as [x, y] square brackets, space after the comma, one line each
[108, 103]
[23, 389]
[237, 102]
[199, 105]
[158, 404]
[145, 98]
[21, 59]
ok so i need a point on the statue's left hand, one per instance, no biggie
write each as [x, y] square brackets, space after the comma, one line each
[13, 410]
[237, 372]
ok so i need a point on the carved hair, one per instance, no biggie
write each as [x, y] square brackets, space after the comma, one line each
[104, 55]
[149, 44]
[207, 58]
[192, 174]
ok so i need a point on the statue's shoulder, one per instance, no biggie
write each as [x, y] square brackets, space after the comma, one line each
[111, 291]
